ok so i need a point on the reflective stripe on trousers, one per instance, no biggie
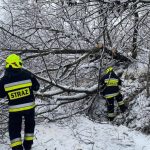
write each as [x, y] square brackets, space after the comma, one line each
[21, 107]
[29, 136]
[16, 142]
[121, 103]
[111, 115]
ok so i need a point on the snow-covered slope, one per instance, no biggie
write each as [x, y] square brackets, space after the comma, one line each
[82, 134]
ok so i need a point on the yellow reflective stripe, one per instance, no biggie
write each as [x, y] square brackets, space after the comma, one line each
[29, 138]
[16, 142]
[121, 103]
[111, 82]
[18, 86]
[21, 107]
[111, 95]
[112, 79]
[17, 83]
[108, 70]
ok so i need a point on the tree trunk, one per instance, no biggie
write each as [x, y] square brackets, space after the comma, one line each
[148, 77]
[135, 33]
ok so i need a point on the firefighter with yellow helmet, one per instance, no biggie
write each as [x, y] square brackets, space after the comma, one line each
[109, 86]
[18, 85]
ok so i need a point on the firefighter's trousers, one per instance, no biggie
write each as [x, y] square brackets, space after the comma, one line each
[110, 106]
[15, 126]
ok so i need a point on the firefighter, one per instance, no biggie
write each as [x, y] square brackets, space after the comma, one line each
[109, 86]
[18, 85]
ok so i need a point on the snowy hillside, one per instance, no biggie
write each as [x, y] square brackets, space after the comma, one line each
[82, 134]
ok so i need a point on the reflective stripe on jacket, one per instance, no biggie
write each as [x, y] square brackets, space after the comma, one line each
[111, 95]
[21, 107]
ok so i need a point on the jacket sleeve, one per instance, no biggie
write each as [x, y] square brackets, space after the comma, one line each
[35, 83]
[2, 91]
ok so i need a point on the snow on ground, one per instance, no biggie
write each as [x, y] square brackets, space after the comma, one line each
[83, 134]
[140, 112]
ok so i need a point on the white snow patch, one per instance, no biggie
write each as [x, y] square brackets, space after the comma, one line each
[83, 134]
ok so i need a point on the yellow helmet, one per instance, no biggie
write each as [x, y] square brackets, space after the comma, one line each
[109, 69]
[14, 61]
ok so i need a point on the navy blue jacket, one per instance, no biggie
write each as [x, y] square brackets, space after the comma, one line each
[109, 85]
[18, 85]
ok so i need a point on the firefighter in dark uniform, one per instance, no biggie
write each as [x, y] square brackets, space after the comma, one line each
[109, 86]
[18, 85]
